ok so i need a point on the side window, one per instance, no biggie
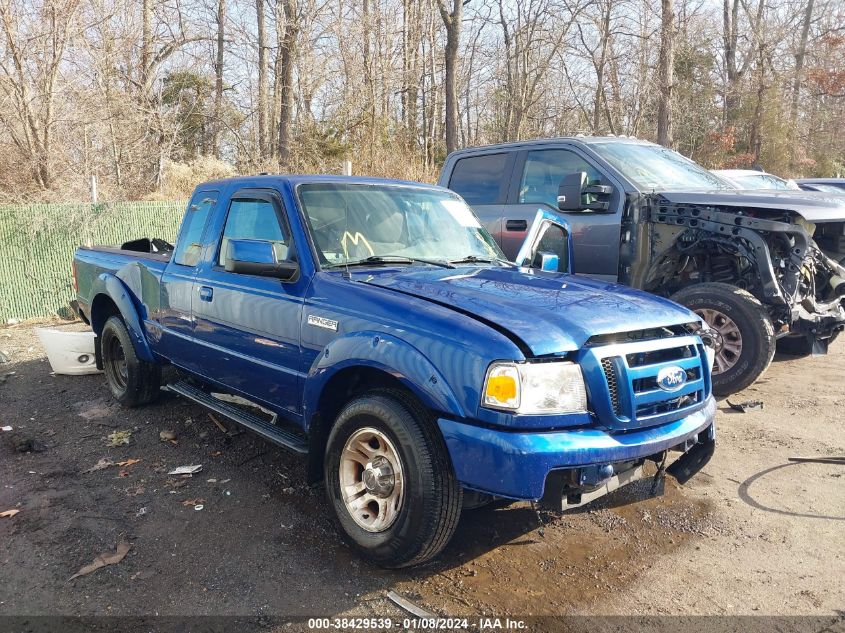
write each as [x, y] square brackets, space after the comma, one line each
[544, 169]
[189, 243]
[478, 178]
[254, 219]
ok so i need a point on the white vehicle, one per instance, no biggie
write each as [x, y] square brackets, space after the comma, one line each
[753, 179]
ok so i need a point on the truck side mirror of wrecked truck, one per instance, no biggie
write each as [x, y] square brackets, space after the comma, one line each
[575, 193]
[258, 257]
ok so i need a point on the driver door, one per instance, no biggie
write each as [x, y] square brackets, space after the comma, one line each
[248, 326]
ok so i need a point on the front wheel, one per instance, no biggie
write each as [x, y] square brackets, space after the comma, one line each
[743, 334]
[133, 382]
[390, 481]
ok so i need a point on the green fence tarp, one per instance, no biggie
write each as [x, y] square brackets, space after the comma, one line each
[37, 242]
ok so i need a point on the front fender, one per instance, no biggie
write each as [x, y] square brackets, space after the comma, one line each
[387, 353]
[113, 288]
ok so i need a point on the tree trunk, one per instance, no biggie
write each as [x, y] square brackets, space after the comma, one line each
[665, 64]
[262, 80]
[288, 48]
[146, 42]
[218, 78]
[796, 82]
[452, 21]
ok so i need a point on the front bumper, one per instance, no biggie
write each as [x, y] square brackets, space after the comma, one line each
[516, 465]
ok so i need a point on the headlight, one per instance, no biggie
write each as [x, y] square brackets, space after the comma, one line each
[535, 388]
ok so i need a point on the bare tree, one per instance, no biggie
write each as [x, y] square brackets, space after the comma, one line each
[287, 47]
[666, 64]
[262, 79]
[30, 70]
[452, 22]
[800, 54]
[218, 77]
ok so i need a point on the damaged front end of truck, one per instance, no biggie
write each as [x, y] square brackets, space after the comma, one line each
[788, 252]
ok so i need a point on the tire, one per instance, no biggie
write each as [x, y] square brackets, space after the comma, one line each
[132, 381]
[418, 518]
[746, 343]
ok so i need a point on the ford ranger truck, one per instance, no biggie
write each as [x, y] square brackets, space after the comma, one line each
[763, 268]
[376, 327]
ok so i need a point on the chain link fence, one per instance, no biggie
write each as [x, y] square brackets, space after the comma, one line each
[37, 242]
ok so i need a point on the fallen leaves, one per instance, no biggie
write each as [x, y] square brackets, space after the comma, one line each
[193, 502]
[119, 438]
[127, 462]
[8, 514]
[104, 559]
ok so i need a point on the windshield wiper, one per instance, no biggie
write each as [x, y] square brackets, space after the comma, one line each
[393, 259]
[472, 259]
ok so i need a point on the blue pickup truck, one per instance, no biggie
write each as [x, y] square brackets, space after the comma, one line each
[376, 327]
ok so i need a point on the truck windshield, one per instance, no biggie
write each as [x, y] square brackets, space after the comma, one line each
[652, 167]
[379, 224]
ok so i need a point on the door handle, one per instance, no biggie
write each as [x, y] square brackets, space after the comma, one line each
[516, 225]
[206, 293]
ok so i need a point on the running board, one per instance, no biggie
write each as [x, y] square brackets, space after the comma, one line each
[280, 437]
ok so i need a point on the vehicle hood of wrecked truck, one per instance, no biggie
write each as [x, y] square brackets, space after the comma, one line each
[813, 207]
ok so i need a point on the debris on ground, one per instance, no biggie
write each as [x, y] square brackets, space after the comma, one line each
[107, 558]
[104, 463]
[8, 514]
[96, 410]
[6, 376]
[409, 606]
[6, 428]
[186, 470]
[141, 511]
[821, 459]
[128, 462]
[231, 431]
[23, 444]
[748, 405]
[119, 438]
[167, 436]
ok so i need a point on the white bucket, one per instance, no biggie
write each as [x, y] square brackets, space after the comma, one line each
[69, 352]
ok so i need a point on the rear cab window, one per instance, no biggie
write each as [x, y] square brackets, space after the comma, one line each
[481, 179]
[189, 242]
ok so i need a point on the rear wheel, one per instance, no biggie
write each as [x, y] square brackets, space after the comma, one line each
[133, 382]
[390, 481]
[743, 334]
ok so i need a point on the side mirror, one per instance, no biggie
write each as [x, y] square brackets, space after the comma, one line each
[548, 244]
[257, 257]
[549, 262]
[575, 193]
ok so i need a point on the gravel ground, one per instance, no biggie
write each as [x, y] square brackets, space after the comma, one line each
[752, 534]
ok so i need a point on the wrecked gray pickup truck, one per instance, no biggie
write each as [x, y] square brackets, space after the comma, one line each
[761, 267]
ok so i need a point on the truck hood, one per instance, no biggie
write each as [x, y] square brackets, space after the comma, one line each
[812, 206]
[550, 313]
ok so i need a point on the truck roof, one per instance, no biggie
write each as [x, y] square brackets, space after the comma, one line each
[583, 140]
[296, 179]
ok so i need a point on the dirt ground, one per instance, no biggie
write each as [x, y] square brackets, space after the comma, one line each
[753, 534]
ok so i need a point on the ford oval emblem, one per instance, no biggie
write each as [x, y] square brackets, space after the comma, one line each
[671, 378]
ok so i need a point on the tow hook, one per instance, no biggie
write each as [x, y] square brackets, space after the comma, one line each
[596, 475]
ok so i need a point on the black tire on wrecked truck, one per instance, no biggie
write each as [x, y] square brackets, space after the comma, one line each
[742, 333]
